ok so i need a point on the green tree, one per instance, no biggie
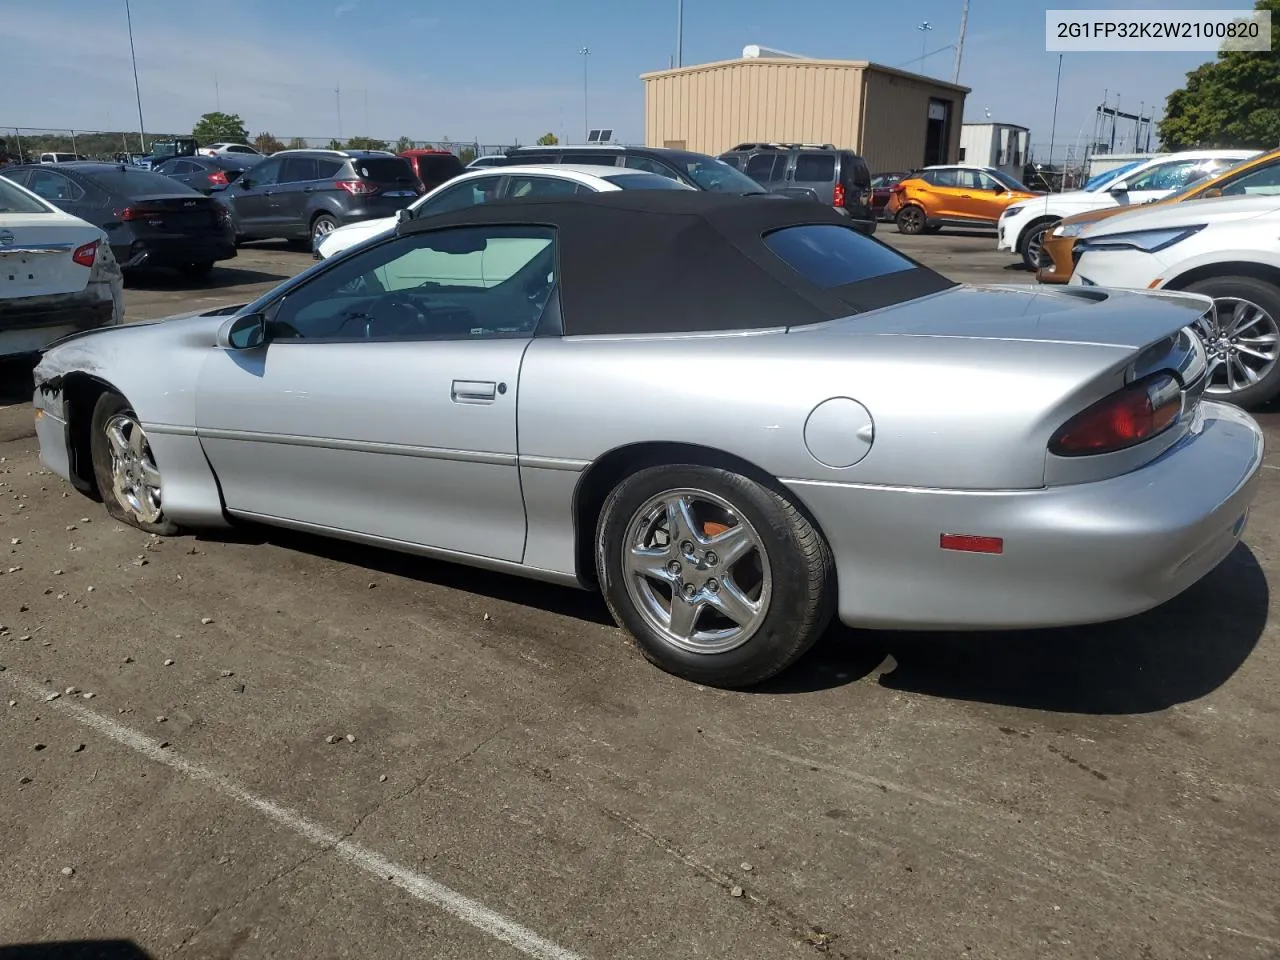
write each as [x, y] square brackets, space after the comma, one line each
[219, 127]
[297, 143]
[1233, 101]
[403, 144]
[266, 143]
[335, 145]
[466, 154]
[366, 143]
[548, 140]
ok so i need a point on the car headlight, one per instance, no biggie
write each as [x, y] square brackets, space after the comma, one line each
[1010, 211]
[1148, 241]
[1069, 229]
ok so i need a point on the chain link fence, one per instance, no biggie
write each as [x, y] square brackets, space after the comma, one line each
[28, 143]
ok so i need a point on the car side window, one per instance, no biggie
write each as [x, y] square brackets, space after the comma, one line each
[267, 172]
[650, 165]
[454, 283]
[986, 182]
[54, 186]
[469, 193]
[1166, 176]
[524, 186]
[815, 167]
[945, 178]
[1263, 182]
[299, 170]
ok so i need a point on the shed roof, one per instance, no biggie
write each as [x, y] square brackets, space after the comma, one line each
[793, 62]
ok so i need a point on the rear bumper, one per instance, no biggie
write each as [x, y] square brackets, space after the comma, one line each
[173, 252]
[1058, 250]
[1073, 554]
[28, 324]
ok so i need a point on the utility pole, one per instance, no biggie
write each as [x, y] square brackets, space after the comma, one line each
[679, 33]
[217, 93]
[585, 52]
[964, 22]
[1053, 129]
[337, 98]
[137, 90]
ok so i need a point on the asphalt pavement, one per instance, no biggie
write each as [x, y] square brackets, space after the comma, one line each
[264, 744]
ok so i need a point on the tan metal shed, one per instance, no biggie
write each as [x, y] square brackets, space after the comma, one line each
[896, 120]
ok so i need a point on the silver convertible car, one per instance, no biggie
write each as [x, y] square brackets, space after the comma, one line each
[735, 416]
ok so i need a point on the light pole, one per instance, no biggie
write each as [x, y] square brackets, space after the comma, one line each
[142, 132]
[924, 29]
[585, 52]
[679, 33]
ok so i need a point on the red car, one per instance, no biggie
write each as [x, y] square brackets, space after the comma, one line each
[881, 190]
[433, 167]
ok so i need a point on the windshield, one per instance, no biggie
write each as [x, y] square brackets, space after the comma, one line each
[716, 175]
[13, 200]
[1008, 182]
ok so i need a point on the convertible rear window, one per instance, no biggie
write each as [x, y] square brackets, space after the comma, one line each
[829, 255]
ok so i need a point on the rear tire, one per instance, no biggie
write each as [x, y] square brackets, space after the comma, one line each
[323, 225]
[125, 469]
[1248, 316]
[742, 589]
[911, 220]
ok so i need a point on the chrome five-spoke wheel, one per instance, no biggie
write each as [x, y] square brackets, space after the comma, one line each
[697, 571]
[135, 479]
[719, 577]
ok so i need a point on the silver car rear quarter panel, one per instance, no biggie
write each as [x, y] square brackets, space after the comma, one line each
[1078, 553]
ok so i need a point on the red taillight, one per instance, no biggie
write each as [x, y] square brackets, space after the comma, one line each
[128, 213]
[85, 255]
[838, 199]
[218, 177]
[1127, 417]
[358, 188]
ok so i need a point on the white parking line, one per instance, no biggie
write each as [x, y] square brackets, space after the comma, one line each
[416, 884]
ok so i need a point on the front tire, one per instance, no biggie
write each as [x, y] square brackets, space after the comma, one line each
[719, 579]
[1243, 341]
[1031, 244]
[911, 220]
[322, 226]
[124, 467]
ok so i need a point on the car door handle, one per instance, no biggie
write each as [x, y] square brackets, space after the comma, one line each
[309, 190]
[474, 391]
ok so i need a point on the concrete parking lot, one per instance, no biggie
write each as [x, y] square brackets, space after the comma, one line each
[269, 745]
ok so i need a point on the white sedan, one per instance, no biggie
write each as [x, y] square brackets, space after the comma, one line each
[1226, 248]
[57, 274]
[485, 185]
[1022, 225]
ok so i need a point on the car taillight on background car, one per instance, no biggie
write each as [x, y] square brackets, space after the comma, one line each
[1127, 417]
[838, 199]
[218, 177]
[85, 255]
[358, 188]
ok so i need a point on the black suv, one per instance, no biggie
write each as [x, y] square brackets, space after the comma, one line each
[304, 194]
[695, 169]
[839, 178]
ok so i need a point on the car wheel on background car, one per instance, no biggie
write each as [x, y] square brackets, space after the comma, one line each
[1031, 244]
[719, 579]
[322, 226]
[911, 220]
[1242, 339]
[125, 469]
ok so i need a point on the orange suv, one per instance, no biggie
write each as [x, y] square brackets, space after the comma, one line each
[953, 196]
[1257, 175]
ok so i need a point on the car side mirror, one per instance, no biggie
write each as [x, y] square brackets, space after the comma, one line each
[243, 332]
[1120, 186]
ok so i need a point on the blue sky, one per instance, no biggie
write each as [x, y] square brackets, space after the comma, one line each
[498, 70]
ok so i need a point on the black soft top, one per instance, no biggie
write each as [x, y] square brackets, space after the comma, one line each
[667, 261]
